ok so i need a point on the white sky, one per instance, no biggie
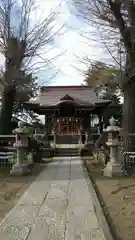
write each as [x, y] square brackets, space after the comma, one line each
[74, 46]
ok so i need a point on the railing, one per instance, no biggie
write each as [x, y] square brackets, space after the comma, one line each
[127, 158]
[7, 150]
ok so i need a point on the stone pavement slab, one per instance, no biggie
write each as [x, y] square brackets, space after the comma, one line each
[50, 222]
[57, 206]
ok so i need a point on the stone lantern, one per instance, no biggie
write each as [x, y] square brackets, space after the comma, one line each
[113, 167]
[21, 144]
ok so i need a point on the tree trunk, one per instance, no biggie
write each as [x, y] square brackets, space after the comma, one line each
[129, 117]
[8, 98]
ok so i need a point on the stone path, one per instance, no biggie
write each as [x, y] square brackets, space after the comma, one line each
[57, 206]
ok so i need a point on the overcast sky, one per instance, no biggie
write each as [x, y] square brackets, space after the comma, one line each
[72, 44]
[69, 44]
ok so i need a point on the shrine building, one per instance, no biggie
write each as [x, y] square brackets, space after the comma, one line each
[68, 110]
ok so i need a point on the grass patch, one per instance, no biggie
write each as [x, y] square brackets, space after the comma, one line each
[5, 170]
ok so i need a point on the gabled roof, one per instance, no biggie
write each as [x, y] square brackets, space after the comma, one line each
[66, 97]
[52, 96]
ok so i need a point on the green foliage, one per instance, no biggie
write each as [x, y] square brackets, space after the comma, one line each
[8, 98]
[99, 75]
[114, 110]
[101, 155]
[103, 77]
[25, 90]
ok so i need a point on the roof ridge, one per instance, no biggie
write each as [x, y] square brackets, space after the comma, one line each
[42, 88]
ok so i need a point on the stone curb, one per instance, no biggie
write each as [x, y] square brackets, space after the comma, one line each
[97, 207]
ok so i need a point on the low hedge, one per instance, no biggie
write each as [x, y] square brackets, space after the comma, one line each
[101, 155]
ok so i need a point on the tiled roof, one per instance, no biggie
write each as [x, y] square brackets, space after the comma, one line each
[52, 95]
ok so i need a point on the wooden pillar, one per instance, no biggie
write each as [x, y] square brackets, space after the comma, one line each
[86, 121]
[100, 124]
[48, 123]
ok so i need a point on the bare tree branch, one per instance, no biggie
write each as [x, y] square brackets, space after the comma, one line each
[16, 22]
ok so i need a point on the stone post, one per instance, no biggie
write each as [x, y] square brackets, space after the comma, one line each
[54, 138]
[113, 167]
[19, 168]
[80, 136]
[86, 138]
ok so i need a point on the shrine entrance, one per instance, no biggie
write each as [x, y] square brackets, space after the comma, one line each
[67, 125]
[67, 121]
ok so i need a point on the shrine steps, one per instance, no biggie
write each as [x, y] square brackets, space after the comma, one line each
[66, 152]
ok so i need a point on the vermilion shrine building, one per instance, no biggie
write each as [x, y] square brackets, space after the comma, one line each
[68, 110]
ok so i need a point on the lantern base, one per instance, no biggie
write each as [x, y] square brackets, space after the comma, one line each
[112, 170]
[20, 170]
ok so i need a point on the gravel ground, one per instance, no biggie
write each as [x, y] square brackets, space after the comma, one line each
[11, 188]
[117, 197]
